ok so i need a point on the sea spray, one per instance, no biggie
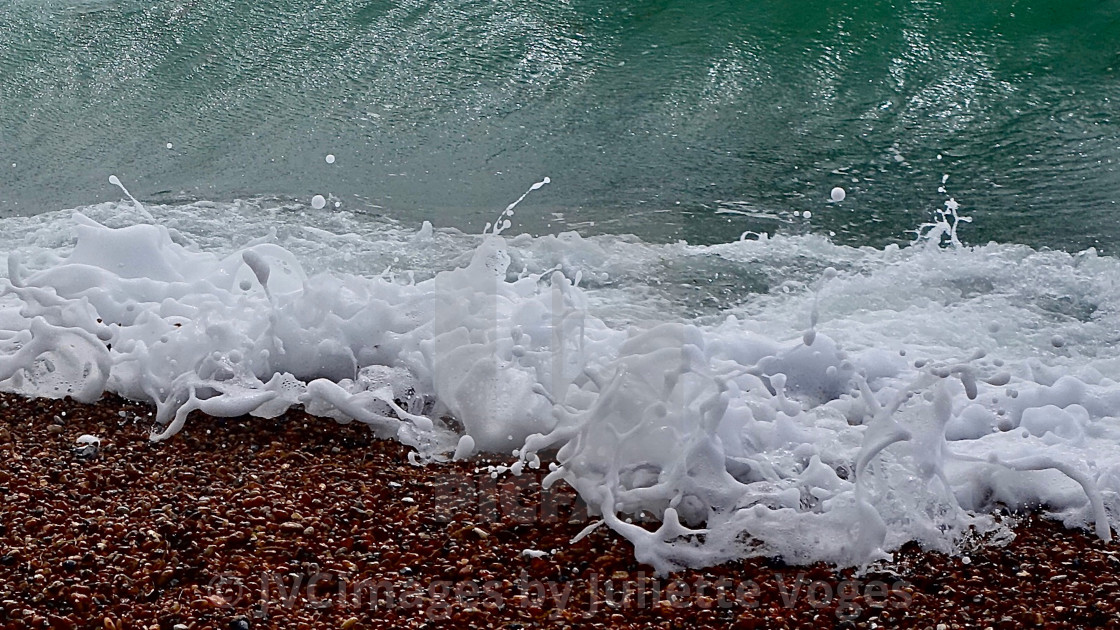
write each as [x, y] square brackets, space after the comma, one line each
[944, 227]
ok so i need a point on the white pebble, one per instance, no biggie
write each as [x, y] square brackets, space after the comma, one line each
[89, 439]
[838, 194]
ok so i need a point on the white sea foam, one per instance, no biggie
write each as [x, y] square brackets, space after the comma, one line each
[811, 400]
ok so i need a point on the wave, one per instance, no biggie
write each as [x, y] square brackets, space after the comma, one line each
[781, 395]
[686, 119]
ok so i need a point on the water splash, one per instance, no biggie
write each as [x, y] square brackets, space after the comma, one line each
[502, 223]
[114, 180]
[943, 229]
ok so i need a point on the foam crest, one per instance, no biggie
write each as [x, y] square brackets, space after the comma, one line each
[860, 399]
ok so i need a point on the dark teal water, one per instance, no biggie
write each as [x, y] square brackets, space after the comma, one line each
[650, 117]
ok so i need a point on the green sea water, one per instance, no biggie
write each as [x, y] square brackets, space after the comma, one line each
[692, 119]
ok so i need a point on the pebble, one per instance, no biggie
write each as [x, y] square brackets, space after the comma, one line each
[147, 517]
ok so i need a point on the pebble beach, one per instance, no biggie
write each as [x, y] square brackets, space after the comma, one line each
[301, 522]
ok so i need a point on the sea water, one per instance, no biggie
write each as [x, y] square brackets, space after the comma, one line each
[670, 119]
[807, 282]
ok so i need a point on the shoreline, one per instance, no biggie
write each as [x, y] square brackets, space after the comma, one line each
[302, 522]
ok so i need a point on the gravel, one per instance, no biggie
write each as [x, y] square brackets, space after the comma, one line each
[299, 522]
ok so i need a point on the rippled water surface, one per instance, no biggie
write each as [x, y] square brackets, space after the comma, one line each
[666, 119]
